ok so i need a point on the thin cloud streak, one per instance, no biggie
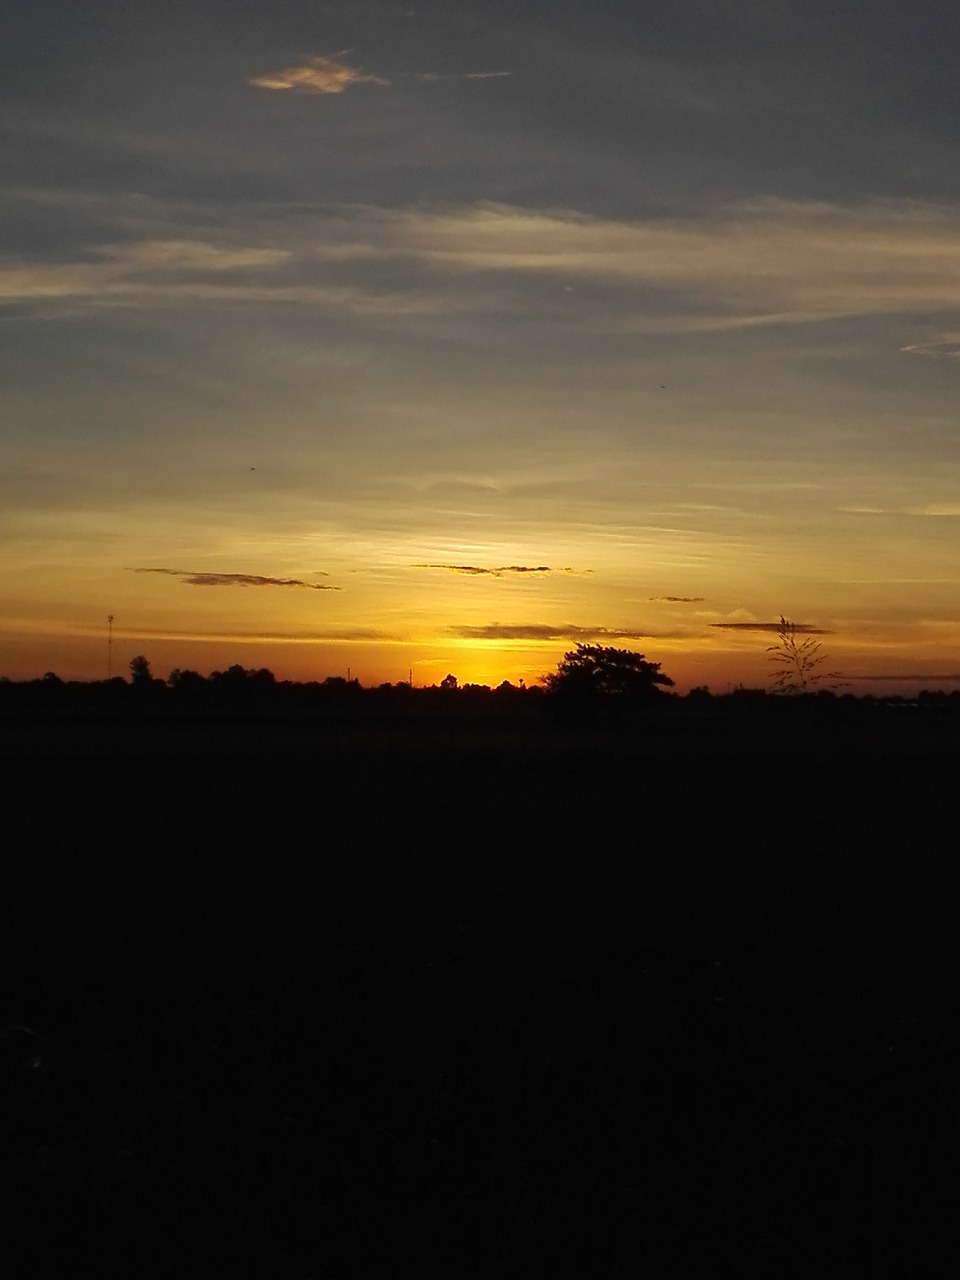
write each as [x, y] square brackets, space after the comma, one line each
[431, 77]
[169, 274]
[676, 599]
[193, 579]
[549, 631]
[893, 676]
[359, 635]
[932, 509]
[190, 255]
[946, 347]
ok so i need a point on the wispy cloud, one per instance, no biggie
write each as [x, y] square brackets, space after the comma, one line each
[430, 77]
[801, 628]
[324, 635]
[546, 631]
[194, 579]
[911, 677]
[770, 261]
[766, 263]
[477, 570]
[190, 255]
[134, 267]
[945, 347]
[165, 273]
[318, 75]
[676, 599]
[934, 509]
[922, 509]
[898, 582]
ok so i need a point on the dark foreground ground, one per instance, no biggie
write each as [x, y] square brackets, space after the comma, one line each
[305, 1000]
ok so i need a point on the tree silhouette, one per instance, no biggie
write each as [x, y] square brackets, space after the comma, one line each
[593, 676]
[186, 682]
[140, 676]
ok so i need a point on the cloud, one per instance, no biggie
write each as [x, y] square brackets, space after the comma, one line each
[893, 676]
[190, 255]
[177, 271]
[325, 635]
[676, 599]
[476, 570]
[898, 582]
[318, 75]
[946, 347]
[193, 579]
[801, 628]
[321, 75]
[933, 509]
[430, 77]
[545, 631]
[924, 509]
[766, 263]
[134, 268]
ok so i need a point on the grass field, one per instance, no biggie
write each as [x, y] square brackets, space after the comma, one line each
[315, 998]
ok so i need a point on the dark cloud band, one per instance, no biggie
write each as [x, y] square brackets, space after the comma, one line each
[801, 628]
[478, 571]
[544, 631]
[193, 579]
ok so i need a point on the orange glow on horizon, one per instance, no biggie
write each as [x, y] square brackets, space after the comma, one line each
[700, 661]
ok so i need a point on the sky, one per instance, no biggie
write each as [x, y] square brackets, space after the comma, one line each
[414, 338]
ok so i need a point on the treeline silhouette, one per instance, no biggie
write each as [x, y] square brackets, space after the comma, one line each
[239, 686]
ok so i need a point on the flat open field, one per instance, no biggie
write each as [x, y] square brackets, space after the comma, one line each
[480, 1000]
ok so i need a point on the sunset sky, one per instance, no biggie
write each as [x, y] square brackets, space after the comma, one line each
[437, 337]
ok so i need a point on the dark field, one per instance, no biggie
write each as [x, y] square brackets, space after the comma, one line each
[298, 997]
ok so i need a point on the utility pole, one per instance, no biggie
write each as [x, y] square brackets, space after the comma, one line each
[109, 646]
